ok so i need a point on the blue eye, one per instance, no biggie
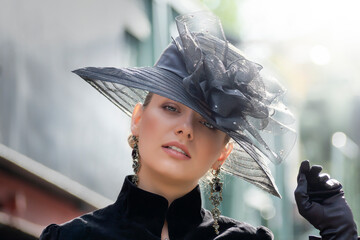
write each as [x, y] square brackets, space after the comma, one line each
[208, 125]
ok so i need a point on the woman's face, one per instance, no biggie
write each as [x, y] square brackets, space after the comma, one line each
[175, 142]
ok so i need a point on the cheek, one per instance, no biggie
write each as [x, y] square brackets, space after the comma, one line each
[211, 147]
[149, 124]
[152, 121]
[214, 139]
[151, 131]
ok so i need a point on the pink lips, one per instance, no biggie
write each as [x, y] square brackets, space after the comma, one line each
[175, 153]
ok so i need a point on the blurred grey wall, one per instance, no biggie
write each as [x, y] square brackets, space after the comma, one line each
[48, 113]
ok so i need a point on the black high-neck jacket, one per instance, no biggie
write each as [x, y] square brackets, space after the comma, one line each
[140, 215]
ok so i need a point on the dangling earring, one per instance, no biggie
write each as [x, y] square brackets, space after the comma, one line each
[216, 197]
[136, 162]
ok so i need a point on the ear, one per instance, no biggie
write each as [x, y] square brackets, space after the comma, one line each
[223, 156]
[136, 119]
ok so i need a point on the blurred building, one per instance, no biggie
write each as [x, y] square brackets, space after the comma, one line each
[32, 196]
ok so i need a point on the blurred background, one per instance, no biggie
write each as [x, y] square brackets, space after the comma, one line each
[63, 146]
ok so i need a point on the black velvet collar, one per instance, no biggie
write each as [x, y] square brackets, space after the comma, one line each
[150, 210]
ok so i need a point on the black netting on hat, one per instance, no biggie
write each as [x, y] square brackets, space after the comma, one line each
[238, 97]
[201, 70]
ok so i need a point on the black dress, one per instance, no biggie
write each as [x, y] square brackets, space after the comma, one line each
[140, 215]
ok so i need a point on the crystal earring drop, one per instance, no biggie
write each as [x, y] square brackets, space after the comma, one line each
[216, 197]
[136, 160]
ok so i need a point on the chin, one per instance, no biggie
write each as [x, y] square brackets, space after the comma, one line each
[179, 176]
[173, 170]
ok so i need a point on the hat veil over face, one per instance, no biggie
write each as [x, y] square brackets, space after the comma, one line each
[201, 70]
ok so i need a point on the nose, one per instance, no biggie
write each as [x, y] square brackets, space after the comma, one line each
[185, 126]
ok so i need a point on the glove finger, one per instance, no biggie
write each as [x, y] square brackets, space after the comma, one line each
[324, 177]
[301, 195]
[315, 171]
[333, 184]
[304, 167]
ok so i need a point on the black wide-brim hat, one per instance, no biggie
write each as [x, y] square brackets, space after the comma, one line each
[201, 70]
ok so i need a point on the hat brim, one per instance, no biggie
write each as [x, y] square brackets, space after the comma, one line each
[125, 87]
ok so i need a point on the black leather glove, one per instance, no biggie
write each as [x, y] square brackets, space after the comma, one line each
[321, 201]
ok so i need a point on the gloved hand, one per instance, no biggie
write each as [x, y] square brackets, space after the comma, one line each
[321, 201]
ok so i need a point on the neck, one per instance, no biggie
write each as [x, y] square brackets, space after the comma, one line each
[170, 189]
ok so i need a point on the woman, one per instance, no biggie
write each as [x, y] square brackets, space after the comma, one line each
[203, 101]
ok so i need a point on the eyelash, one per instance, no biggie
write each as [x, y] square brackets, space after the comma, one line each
[208, 125]
[170, 108]
[174, 109]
